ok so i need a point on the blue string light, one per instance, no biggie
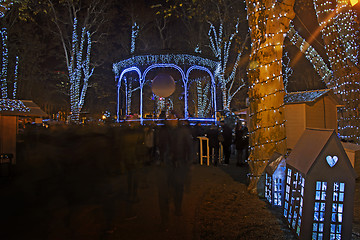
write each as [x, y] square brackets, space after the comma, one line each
[4, 66]
[134, 34]
[15, 77]
[13, 105]
[5, 6]
[79, 70]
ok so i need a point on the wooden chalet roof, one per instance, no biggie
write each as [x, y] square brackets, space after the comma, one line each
[309, 147]
[274, 162]
[309, 96]
[14, 107]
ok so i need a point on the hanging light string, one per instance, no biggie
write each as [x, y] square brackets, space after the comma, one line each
[149, 59]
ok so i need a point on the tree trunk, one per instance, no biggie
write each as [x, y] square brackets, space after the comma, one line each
[340, 35]
[269, 21]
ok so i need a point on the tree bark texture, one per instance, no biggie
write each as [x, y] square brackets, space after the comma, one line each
[339, 32]
[269, 21]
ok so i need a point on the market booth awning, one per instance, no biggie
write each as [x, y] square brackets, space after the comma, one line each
[24, 108]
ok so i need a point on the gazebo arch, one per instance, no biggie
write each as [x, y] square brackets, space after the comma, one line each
[126, 70]
[166, 65]
[212, 81]
[142, 64]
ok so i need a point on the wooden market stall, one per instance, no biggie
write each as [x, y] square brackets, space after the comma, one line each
[309, 109]
[10, 112]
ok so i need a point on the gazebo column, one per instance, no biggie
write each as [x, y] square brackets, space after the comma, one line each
[214, 97]
[186, 99]
[118, 98]
[141, 82]
[127, 112]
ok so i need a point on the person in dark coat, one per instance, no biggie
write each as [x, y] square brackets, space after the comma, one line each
[227, 141]
[213, 135]
[241, 143]
[176, 151]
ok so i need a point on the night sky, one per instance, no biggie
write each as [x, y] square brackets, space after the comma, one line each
[42, 70]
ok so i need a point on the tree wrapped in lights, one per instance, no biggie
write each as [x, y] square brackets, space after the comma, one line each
[76, 24]
[79, 70]
[340, 33]
[287, 70]
[221, 46]
[15, 77]
[224, 37]
[312, 55]
[128, 93]
[268, 21]
[4, 7]
[201, 100]
[4, 65]
[134, 35]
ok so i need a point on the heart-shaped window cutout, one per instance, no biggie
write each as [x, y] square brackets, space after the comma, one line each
[332, 160]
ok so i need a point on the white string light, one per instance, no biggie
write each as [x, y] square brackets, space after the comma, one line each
[13, 105]
[179, 59]
[134, 35]
[4, 6]
[288, 71]
[221, 44]
[268, 23]
[79, 70]
[15, 77]
[4, 66]
[341, 35]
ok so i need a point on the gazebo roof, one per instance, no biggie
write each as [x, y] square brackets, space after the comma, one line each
[14, 107]
[309, 96]
[169, 58]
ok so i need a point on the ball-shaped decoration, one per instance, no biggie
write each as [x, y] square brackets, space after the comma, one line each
[163, 85]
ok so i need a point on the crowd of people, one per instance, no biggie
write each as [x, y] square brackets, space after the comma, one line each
[74, 157]
[173, 147]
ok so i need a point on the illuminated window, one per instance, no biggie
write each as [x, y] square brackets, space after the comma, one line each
[319, 210]
[287, 193]
[301, 202]
[288, 176]
[337, 210]
[277, 191]
[296, 202]
[268, 187]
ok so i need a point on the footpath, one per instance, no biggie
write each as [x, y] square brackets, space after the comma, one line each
[216, 205]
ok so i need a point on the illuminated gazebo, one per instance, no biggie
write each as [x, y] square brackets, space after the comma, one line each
[184, 64]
